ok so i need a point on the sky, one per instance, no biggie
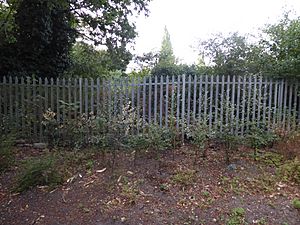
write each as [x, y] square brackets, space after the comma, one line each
[190, 20]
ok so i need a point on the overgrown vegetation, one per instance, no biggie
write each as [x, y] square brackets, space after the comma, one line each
[7, 142]
[39, 171]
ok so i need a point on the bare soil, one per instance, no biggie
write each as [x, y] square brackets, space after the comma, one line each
[155, 191]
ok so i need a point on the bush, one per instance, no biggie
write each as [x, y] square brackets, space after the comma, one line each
[42, 171]
[289, 145]
[229, 140]
[258, 138]
[6, 151]
[290, 171]
[158, 138]
[200, 136]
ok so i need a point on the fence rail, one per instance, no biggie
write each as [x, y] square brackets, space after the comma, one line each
[220, 100]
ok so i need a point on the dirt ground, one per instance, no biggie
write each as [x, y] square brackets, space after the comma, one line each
[165, 191]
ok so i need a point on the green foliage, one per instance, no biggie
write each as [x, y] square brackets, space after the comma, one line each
[7, 142]
[228, 139]
[42, 40]
[38, 34]
[159, 138]
[86, 61]
[258, 137]
[184, 178]
[228, 54]
[280, 47]
[290, 171]
[237, 217]
[200, 135]
[41, 171]
[166, 56]
[296, 203]
[276, 52]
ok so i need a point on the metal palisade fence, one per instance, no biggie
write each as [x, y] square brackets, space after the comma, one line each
[218, 100]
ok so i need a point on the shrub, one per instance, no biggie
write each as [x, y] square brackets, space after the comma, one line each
[200, 136]
[6, 151]
[158, 138]
[259, 137]
[229, 140]
[290, 171]
[41, 171]
[289, 145]
[137, 143]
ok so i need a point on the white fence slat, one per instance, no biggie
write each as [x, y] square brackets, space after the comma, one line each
[189, 100]
[270, 101]
[284, 104]
[155, 100]
[216, 110]
[254, 99]
[138, 99]
[92, 95]
[222, 103]
[172, 97]
[200, 99]
[178, 102]
[275, 104]
[183, 104]
[150, 101]
[227, 100]
[144, 101]
[167, 102]
[237, 119]
[243, 104]
[211, 101]
[205, 97]
[98, 95]
[232, 104]
[259, 100]
[249, 101]
[290, 96]
[195, 98]
[161, 97]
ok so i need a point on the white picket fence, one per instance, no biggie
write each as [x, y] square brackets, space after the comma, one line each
[220, 100]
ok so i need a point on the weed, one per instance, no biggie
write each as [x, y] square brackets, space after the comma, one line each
[184, 178]
[237, 217]
[296, 203]
[42, 171]
[290, 171]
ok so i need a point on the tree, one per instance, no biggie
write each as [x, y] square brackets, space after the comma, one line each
[45, 31]
[279, 48]
[166, 55]
[86, 61]
[228, 55]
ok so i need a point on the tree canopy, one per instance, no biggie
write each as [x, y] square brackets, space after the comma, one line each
[37, 35]
[275, 52]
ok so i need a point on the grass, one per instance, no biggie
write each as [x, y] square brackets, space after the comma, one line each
[184, 178]
[237, 217]
[41, 171]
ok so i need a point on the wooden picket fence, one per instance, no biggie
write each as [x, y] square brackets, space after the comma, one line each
[219, 100]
